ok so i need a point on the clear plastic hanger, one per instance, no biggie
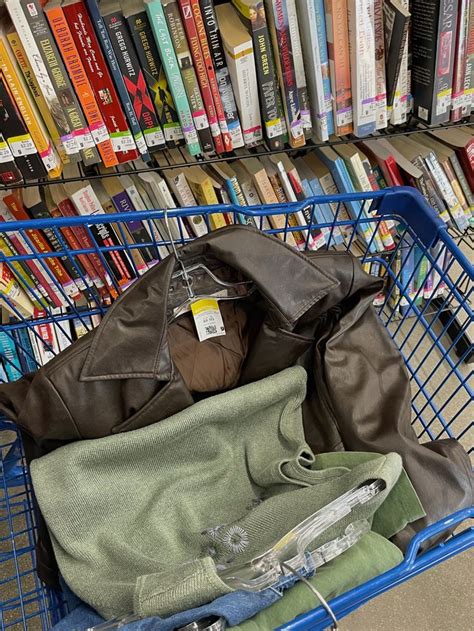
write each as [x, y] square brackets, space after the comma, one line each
[212, 287]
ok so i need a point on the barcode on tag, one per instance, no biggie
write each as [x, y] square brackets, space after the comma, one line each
[207, 318]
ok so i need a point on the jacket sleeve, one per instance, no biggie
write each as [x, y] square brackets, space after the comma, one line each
[365, 387]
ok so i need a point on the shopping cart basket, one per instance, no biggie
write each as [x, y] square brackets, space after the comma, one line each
[425, 307]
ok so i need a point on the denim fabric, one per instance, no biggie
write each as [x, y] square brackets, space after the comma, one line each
[235, 608]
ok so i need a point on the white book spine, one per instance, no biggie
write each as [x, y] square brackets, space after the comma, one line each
[180, 187]
[362, 55]
[241, 64]
[298, 63]
[380, 79]
[312, 62]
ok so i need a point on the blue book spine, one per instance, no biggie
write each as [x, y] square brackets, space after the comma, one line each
[103, 37]
[25, 351]
[324, 59]
[11, 361]
[326, 212]
[318, 214]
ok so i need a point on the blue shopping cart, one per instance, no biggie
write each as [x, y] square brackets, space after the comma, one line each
[425, 307]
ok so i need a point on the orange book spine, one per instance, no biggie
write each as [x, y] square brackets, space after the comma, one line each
[339, 63]
[83, 88]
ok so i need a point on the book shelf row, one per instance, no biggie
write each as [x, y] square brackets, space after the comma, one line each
[111, 83]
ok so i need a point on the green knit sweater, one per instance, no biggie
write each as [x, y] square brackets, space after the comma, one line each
[138, 520]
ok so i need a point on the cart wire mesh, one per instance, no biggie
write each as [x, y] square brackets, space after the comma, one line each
[426, 306]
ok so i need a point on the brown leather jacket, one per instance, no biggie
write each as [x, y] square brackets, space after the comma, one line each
[314, 310]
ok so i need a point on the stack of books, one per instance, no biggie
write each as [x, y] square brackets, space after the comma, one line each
[114, 81]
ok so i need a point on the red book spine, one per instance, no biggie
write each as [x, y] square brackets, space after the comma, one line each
[466, 158]
[391, 172]
[66, 208]
[99, 77]
[206, 53]
[201, 72]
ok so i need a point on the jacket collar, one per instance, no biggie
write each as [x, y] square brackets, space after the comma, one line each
[131, 340]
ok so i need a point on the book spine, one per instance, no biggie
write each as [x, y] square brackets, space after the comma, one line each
[445, 59]
[339, 64]
[97, 71]
[222, 73]
[34, 124]
[108, 51]
[426, 187]
[469, 71]
[280, 31]
[185, 63]
[300, 76]
[398, 111]
[462, 181]
[60, 29]
[446, 164]
[134, 80]
[15, 132]
[96, 269]
[314, 68]
[35, 90]
[201, 72]
[60, 80]
[123, 204]
[221, 117]
[175, 81]
[86, 203]
[380, 79]
[13, 293]
[147, 51]
[267, 80]
[9, 172]
[362, 58]
[25, 351]
[446, 191]
[324, 60]
[11, 360]
[460, 56]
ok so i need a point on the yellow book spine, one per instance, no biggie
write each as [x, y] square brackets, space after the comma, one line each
[21, 277]
[217, 220]
[29, 76]
[28, 111]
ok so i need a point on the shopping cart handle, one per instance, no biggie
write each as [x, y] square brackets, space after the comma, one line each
[448, 523]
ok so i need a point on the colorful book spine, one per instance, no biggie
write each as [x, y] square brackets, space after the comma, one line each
[133, 78]
[77, 74]
[59, 77]
[219, 105]
[13, 295]
[254, 18]
[339, 64]
[445, 189]
[380, 77]
[277, 16]
[9, 354]
[362, 58]
[188, 74]
[147, 51]
[460, 55]
[469, 72]
[300, 75]
[25, 351]
[18, 89]
[109, 54]
[222, 72]
[20, 142]
[175, 81]
[201, 73]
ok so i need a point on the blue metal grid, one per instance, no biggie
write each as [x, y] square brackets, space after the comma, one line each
[421, 325]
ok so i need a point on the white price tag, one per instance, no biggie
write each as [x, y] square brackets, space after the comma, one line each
[344, 117]
[200, 120]
[191, 136]
[99, 132]
[141, 144]
[22, 145]
[70, 144]
[207, 318]
[273, 128]
[122, 141]
[49, 159]
[154, 137]
[5, 153]
[173, 132]
[84, 138]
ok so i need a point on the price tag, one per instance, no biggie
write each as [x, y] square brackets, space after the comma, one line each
[5, 153]
[99, 132]
[84, 138]
[122, 141]
[207, 318]
[344, 117]
[141, 144]
[173, 132]
[273, 128]
[190, 135]
[49, 159]
[22, 145]
[296, 129]
[70, 144]
[154, 137]
[200, 120]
